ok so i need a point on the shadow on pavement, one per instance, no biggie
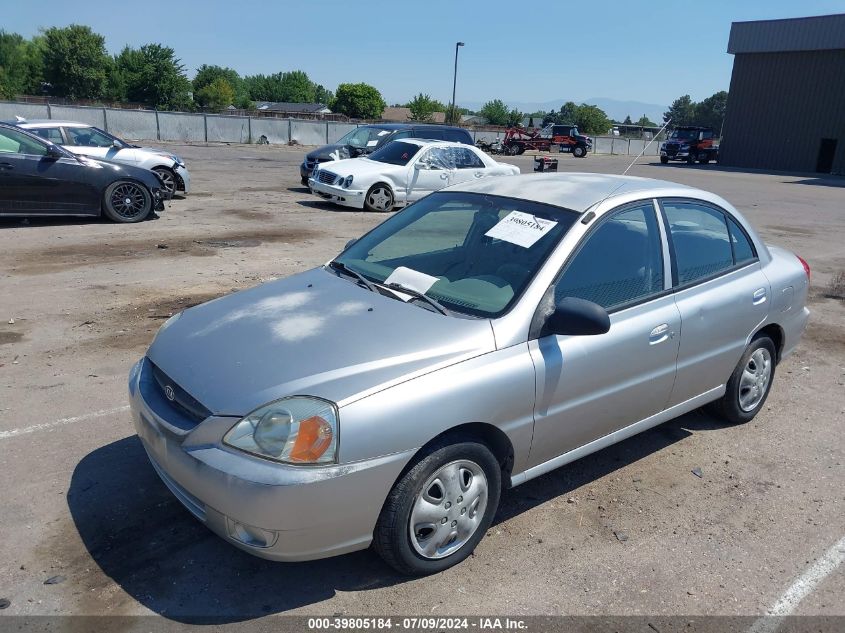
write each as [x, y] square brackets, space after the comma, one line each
[146, 542]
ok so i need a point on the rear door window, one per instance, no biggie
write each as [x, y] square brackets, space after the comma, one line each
[52, 134]
[700, 240]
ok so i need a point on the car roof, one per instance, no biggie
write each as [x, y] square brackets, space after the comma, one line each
[428, 141]
[408, 126]
[575, 191]
[39, 123]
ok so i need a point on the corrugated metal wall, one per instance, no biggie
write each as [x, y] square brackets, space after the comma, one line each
[780, 107]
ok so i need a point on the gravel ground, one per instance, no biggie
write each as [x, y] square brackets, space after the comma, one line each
[630, 530]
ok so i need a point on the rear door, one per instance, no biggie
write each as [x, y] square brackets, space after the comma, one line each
[720, 290]
[468, 166]
[590, 386]
[436, 168]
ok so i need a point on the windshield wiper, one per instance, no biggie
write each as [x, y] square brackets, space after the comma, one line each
[341, 267]
[420, 295]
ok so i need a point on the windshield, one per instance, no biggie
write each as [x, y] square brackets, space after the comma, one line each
[395, 153]
[684, 135]
[473, 253]
[366, 136]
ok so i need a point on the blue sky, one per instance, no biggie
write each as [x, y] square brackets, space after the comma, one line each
[651, 51]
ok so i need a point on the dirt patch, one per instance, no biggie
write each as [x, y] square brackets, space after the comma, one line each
[828, 335]
[133, 325]
[60, 258]
[246, 214]
[790, 230]
[276, 189]
[10, 337]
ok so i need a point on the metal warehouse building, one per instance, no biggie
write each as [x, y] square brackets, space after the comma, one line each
[786, 106]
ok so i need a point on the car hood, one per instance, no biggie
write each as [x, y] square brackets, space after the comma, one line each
[336, 152]
[314, 334]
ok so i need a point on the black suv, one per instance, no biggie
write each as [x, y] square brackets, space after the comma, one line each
[368, 138]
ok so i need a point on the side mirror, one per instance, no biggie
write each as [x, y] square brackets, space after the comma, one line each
[350, 243]
[577, 317]
[116, 144]
[54, 152]
[420, 166]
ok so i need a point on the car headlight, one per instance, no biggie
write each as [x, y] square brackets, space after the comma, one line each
[296, 430]
[684, 145]
[347, 182]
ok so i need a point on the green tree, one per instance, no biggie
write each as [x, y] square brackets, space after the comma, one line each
[296, 87]
[681, 112]
[322, 95]
[208, 75]
[515, 117]
[75, 62]
[627, 120]
[422, 107]
[591, 119]
[568, 113]
[358, 101]
[21, 65]
[711, 111]
[644, 121]
[217, 95]
[495, 111]
[154, 76]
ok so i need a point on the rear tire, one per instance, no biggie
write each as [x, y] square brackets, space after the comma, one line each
[750, 383]
[460, 481]
[127, 201]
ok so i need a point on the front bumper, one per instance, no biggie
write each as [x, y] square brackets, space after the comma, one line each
[183, 179]
[274, 511]
[346, 197]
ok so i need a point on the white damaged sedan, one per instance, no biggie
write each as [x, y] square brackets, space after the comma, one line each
[401, 172]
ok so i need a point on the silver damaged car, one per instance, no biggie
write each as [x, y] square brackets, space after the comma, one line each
[486, 334]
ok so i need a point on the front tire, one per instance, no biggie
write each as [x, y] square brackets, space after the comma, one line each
[379, 198]
[749, 384]
[664, 159]
[127, 201]
[168, 178]
[440, 509]
[579, 151]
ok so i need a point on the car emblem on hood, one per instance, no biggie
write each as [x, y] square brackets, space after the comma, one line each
[168, 391]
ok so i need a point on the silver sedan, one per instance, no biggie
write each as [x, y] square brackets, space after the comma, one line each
[483, 336]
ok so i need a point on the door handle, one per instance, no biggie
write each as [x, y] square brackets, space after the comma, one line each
[478, 174]
[660, 334]
[759, 296]
[6, 166]
[444, 176]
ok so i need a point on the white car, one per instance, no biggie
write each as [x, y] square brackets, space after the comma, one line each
[401, 172]
[81, 138]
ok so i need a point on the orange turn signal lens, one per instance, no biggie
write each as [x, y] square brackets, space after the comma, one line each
[312, 440]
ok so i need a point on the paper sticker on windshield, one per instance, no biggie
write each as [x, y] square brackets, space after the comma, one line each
[522, 229]
[372, 143]
[410, 278]
[383, 132]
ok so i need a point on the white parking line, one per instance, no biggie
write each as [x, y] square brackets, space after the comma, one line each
[801, 588]
[5, 435]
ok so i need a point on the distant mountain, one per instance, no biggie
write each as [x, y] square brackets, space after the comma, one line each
[615, 108]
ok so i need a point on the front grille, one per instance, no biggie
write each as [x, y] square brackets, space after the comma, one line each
[327, 177]
[181, 400]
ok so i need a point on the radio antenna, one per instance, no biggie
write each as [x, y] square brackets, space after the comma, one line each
[646, 147]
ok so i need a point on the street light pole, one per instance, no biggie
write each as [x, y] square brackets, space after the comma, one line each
[455, 81]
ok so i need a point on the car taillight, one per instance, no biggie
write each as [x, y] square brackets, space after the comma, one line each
[805, 265]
